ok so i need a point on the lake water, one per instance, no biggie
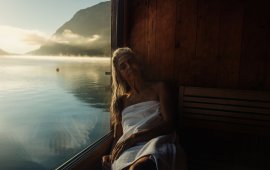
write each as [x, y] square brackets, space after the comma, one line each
[47, 116]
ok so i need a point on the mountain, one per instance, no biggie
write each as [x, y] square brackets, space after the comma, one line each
[88, 32]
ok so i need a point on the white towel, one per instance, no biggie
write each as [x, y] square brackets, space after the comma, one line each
[162, 149]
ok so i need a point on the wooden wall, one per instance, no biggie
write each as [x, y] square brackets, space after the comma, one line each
[209, 43]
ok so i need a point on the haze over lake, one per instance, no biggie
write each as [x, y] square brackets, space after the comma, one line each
[51, 108]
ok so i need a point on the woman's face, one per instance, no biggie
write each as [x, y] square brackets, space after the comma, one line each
[128, 67]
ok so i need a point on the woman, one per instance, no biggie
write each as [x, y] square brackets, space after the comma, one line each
[142, 118]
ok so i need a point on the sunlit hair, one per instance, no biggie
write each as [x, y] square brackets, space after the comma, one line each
[119, 85]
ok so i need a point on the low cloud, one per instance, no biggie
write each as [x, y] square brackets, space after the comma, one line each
[35, 39]
[18, 40]
[70, 38]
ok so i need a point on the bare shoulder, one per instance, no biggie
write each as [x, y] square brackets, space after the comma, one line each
[161, 86]
[166, 90]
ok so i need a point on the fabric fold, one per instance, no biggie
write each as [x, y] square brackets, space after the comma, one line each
[162, 149]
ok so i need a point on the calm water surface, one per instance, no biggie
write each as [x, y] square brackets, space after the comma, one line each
[47, 116]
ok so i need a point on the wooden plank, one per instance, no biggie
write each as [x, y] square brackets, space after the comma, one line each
[232, 102]
[207, 43]
[267, 75]
[228, 120]
[219, 126]
[227, 108]
[126, 24]
[185, 41]
[137, 17]
[218, 109]
[180, 107]
[227, 93]
[165, 39]
[230, 39]
[267, 61]
[151, 39]
[227, 114]
[254, 49]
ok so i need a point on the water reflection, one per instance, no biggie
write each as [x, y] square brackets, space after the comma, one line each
[48, 116]
[90, 86]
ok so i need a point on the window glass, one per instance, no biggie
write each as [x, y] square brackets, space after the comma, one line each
[53, 89]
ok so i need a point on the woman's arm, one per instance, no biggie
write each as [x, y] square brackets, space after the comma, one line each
[167, 110]
[117, 133]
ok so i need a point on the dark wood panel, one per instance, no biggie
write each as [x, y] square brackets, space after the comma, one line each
[228, 114]
[232, 102]
[254, 49]
[163, 62]
[212, 106]
[267, 61]
[228, 120]
[228, 93]
[185, 41]
[207, 43]
[227, 108]
[138, 18]
[230, 38]
[222, 126]
[152, 24]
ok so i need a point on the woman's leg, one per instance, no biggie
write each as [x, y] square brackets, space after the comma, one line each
[143, 163]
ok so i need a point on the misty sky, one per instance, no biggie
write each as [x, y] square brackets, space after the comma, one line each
[21, 19]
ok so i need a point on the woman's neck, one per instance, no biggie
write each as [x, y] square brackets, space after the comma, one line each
[137, 85]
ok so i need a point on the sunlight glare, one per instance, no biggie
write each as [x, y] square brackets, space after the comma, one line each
[18, 40]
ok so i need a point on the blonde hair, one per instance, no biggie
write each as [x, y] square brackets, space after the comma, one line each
[119, 84]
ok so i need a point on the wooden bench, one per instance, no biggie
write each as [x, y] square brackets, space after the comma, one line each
[224, 128]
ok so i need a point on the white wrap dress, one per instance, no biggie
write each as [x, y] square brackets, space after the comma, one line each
[162, 149]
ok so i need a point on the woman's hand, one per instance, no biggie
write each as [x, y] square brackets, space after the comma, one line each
[120, 147]
[106, 162]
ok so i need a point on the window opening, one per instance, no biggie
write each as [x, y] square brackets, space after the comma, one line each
[53, 81]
